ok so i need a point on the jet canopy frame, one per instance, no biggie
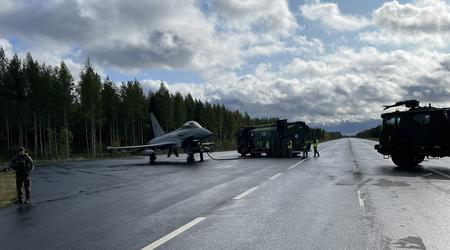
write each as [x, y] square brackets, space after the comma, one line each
[191, 124]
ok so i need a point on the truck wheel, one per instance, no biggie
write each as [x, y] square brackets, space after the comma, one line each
[419, 159]
[405, 161]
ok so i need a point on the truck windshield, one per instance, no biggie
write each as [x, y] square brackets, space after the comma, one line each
[421, 120]
[391, 122]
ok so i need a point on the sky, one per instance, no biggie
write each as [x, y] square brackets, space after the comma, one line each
[332, 64]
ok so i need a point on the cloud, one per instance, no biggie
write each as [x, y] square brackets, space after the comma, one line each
[7, 47]
[272, 16]
[347, 86]
[329, 15]
[424, 22]
[134, 36]
[128, 36]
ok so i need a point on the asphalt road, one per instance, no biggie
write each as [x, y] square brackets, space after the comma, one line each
[348, 198]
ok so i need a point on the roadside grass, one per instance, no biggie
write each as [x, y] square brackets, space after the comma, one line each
[7, 188]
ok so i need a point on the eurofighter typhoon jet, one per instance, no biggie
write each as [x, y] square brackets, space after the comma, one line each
[188, 137]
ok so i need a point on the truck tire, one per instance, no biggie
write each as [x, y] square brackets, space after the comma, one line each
[406, 160]
[419, 159]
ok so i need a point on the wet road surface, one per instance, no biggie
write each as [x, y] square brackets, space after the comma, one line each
[348, 198]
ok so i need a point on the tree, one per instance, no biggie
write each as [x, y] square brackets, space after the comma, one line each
[180, 113]
[5, 151]
[15, 105]
[162, 106]
[134, 107]
[89, 91]
[110, 100]
[32, 74]
[65, 87]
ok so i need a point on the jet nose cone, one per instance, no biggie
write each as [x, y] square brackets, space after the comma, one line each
[207, 133]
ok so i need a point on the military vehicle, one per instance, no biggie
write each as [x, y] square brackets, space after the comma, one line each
[282, 139]
[188, 137]
[410, 136]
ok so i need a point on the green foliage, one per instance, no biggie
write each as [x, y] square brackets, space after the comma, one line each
[322, 135]
[370, 133]
[7, 188]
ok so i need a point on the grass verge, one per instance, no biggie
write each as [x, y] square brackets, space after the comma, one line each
[7, 188]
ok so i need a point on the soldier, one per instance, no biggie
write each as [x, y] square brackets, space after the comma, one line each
[305, 149]
[308, 145]
[315, 145]
[23, 165]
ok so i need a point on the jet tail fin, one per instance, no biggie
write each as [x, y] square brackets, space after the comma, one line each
[157, 130]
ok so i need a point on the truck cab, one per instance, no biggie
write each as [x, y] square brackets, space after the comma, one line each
[410, 136]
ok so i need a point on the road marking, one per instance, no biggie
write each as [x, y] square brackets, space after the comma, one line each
[245, 193]
[275, 176]
[325, 149]
[173, 234]
[298, 163]
[355, 169]
[439, 172]
[361, 201]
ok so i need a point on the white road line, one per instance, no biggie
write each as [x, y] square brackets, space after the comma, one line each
[245, 193]
[275, 176]
[361, 201]
[355, 169]
[439, 172]
[173, 234]
[298, 163]
[325, 149]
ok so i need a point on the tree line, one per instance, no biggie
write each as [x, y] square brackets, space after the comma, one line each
[370, 133]
[44, 110]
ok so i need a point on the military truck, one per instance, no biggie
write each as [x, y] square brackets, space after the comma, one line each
[410, 136]
[282, 139]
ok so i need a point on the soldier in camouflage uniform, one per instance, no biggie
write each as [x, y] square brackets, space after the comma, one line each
[23, 165]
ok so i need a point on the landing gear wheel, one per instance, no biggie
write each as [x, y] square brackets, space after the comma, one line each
[152, 159]
[190, 158]
[201, 156]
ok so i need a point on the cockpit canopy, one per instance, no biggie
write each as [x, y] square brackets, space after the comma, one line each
[191, 124]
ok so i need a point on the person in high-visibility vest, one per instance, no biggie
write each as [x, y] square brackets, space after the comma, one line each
[315, 145]
[305, 150]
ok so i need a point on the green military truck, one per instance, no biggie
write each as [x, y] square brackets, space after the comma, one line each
[282, 139]
[410, 136]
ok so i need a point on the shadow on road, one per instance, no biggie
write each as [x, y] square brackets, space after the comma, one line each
[418, 171]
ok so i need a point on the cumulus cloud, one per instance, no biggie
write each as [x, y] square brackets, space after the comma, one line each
[424, 22]
[251, 55]
[345, 86]
[134, 36]
[7, 47]
[271, 16]
[330, 16]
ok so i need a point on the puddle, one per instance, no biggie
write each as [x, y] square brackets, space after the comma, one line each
[410, 242]
[388, 183]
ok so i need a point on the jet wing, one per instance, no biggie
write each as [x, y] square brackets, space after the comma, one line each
[154, 145]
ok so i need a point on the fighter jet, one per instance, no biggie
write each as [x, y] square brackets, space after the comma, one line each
[188, 137]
